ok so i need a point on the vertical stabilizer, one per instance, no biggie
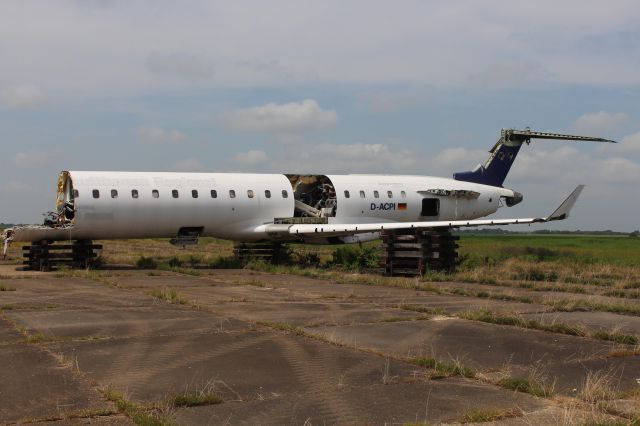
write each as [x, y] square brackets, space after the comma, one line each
[504, 153]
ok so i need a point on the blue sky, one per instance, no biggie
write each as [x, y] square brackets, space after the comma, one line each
[410, 87]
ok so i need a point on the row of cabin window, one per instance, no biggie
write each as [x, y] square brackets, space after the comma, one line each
[174, 193]
[232, 193]
[376, 194]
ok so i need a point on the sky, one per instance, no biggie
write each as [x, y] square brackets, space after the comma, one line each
[403, 87]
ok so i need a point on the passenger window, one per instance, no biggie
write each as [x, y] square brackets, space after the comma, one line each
[361, 194]
[285, 194]
[390, 194]
[194, 193]
[134, 193]
[346, 194]
[267, 193]
[430, 207]
[155, 193]
[403, 194]
[96, 193]
[250, 193]
[232, 193]
[174, 193]
[214, 193]
[376, 194]
[75, 193]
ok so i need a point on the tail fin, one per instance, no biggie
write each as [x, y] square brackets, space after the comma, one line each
[504, 152]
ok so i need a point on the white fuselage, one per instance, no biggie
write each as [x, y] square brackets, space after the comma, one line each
[112, 205]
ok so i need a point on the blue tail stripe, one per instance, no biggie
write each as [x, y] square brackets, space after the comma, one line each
[495, 171]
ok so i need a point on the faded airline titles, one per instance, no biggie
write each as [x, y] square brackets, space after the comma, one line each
[388, 206]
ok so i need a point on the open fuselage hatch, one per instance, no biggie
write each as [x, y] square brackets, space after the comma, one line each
[315, 196]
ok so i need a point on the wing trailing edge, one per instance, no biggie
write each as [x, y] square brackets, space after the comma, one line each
[346, 229]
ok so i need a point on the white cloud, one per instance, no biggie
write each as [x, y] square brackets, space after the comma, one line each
[17, 187]
[179, 64]
[188, 165]
[33, 158]
[157, 135]
[291, 117]
[451, 160]
[599, 123]
[630, 143]
[22, 96]
[352, 158]
[568, 164]
[503, 75]
[390, 101]
[252, 157]
[317, 43]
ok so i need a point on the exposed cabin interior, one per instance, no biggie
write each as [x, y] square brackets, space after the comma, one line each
[315, 196]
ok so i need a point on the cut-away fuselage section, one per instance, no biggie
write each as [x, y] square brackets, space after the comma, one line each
[314, 195]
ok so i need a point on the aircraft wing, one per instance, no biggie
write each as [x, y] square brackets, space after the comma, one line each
[336, 230]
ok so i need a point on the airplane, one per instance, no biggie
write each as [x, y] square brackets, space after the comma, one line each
[316, 209]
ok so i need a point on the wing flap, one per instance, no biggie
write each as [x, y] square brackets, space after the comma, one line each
[336, 230]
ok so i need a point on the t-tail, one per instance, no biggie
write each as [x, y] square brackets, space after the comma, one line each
[504, 153]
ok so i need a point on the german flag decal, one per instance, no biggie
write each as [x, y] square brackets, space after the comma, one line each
[402, 206]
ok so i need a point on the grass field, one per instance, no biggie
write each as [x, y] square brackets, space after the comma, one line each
[583, 249]
[611, 262]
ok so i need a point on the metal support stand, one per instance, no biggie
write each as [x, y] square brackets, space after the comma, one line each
[275, 253]
[412, 252]
[43, 256]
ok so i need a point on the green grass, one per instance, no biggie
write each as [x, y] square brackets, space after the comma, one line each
[4, 287]
[588, 305]
[141, 416]
[194, 399]
[616, 336]
[485, 315]
[489, 415]
[170, 295]
[585, 249]
[444, 368]
[526, 386]
[40, 338]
